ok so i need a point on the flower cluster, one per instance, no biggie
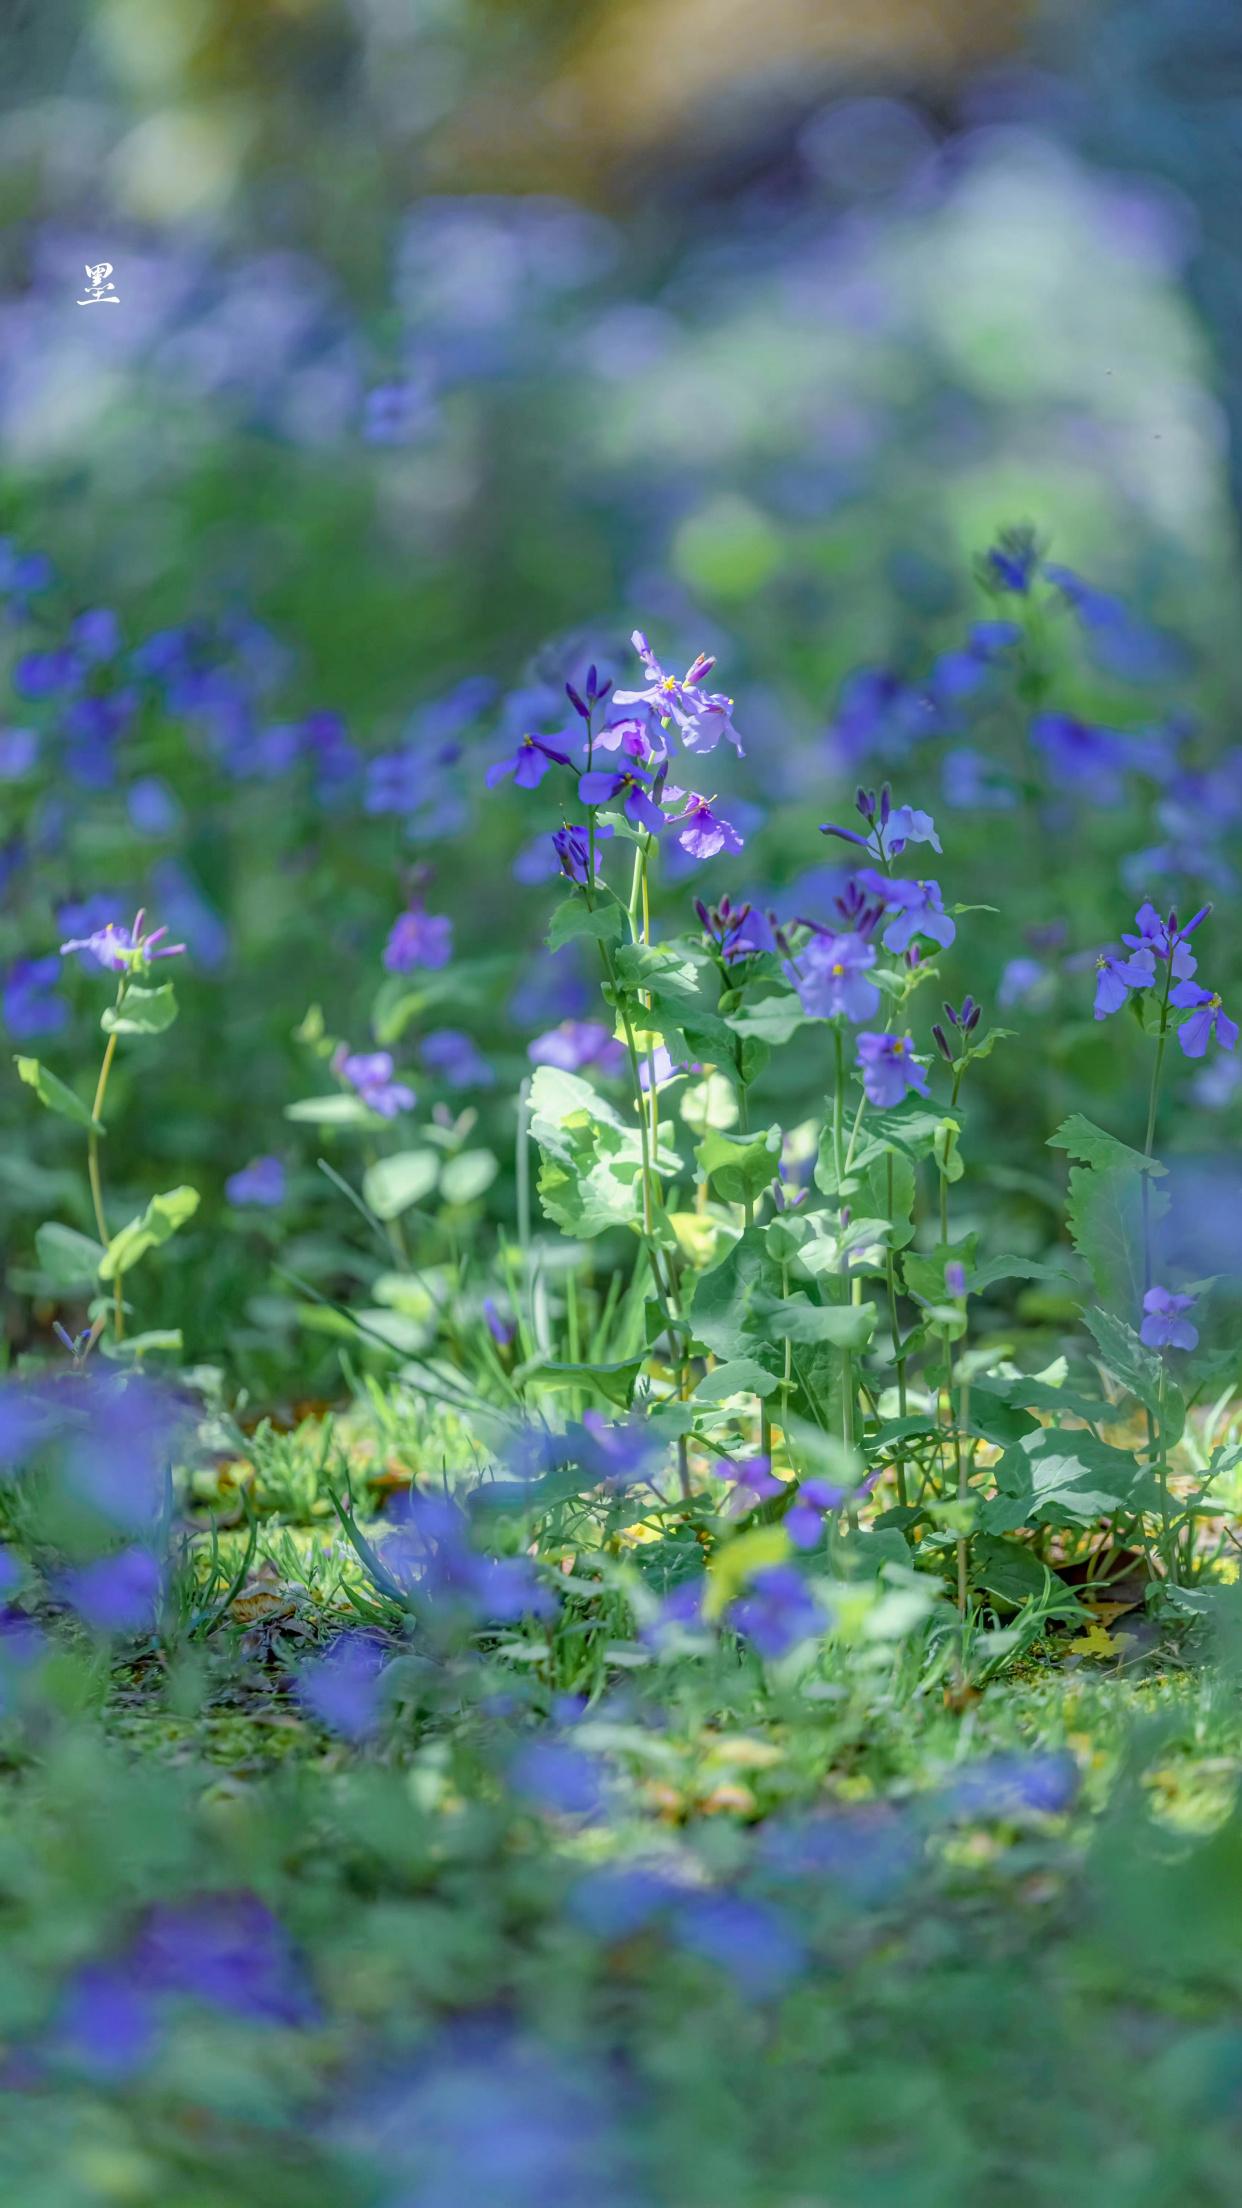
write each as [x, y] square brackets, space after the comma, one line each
[1158, 942]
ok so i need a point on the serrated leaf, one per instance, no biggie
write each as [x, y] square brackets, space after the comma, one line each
[1014, 1268]
[154, 1226]
[1093, 1145]
[1104, 1214]
[1127, 1358]
[141, 1012]
[392, 1184]
[56, 1094]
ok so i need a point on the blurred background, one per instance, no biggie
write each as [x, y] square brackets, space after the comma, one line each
[453, 338]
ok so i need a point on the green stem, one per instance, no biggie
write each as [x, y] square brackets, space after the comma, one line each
[92, 1165]
[895, 1331]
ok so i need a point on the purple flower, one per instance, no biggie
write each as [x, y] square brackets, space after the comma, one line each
[370, 1073]
[920, 912]
[1022, 981]
[658, 1064]
[573, 849]
[955, 1277]
[528, 764]
[702, 717]
[30, 1008]
[43, 674]
[501, 1329]
[702, 832]
[418, 938]
[1208, 1019]
[227, 1951]
[604, 787]
[777, 1611]
[828, 976]
[1115, 977]
[105, 2022]
[958, 674]
[1163, 1326]
[629, 736]
[752, 1940]
[889, 1069]
[19, 752]
[1157, 938]
[260, 1182]
[116, 1594]
[1008, 1786]
[124, 950]
[456, 1058]
[394, 413]
[578, 1043]
[343, 1687]
[1012, 563]
[23, 573]
[752, 1481]
[890, 828]
[1084, 757]
[557, 1777]
[97, 635]
[878, 712]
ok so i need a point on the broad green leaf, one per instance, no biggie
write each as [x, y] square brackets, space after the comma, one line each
[1127, 1358]
[156, 1225]
[772, 1019]
[70, 1259]
[741, 1376]
[331, 1111]
[607, 923]
[739, 1167]
[1092, 1145]
[796, 1319]
[468, 1176]
[1060, 1478]
[55, 1094]
[615, 1381]
[141, 1012]
[723, 1311]
[589, 1179]
[392, 1184]
[1014, 1268]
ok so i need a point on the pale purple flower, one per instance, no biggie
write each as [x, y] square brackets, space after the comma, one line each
[418, 938]
[603, 786]
[578, 1043]
[702, 717]
[920, 912]
[528, 764]
[1208, 1019]
[1116, 977]
[124, 950]
[456, 1058]
[752, 1481]
[702, 832]
[116, 1594]
[261, 1182]
[30, 1006]
[889, 1069]
[829, 975]
[1163, 1325]
[573, 849]
[343, 1687]
[370, 1073]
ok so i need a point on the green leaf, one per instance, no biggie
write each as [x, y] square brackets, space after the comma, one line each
[1127, 1358]
[154, 1226]
[615, 1381]
[468, 1176]
[912, 1127]
[1104, 1215]
[1012, 1574]
[592, 1160]
[842, 1325]
[741, 1376]
[70, 1259]
[573, 918]
[890, 1188]
[1014, 1268]
[141, 1012]
[1058, 1478]
[772, 1019]
[392, 1184]
[331, 1111]
[53, 1092]
[1092, 1145]
[739, 1167]
[723, 1311]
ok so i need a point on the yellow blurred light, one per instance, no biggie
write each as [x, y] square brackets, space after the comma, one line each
[179, 162]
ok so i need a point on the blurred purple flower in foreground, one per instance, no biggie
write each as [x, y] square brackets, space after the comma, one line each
[261, 1182]
[370, 1073]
